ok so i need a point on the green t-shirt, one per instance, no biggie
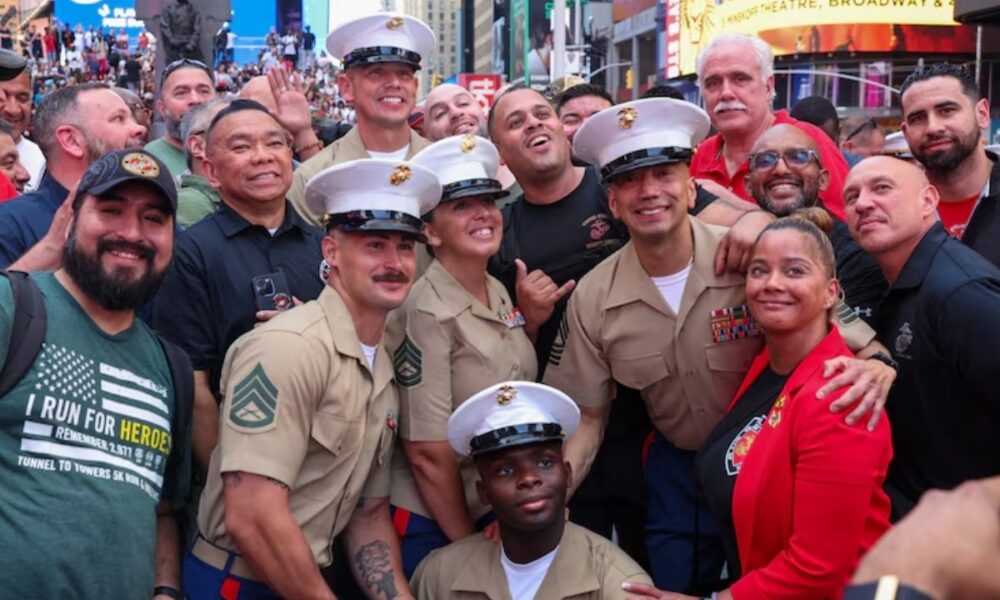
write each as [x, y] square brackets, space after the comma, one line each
[171, 155]
[196, 199]
[84, 442]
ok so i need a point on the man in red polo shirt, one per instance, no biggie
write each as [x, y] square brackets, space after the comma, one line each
[736, 75]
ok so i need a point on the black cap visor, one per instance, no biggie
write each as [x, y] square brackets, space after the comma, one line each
[101, 189]
[381, 54]
[473, 187]
[372, 221]
[515, 435]
[641, 159]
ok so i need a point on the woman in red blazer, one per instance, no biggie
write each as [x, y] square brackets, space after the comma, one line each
[797, 491]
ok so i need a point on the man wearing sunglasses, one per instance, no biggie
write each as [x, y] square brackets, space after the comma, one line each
[736, 76]
[787, 174]
[862, 137]
[184, 84]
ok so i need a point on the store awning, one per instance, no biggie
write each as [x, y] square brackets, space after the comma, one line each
[977, 12]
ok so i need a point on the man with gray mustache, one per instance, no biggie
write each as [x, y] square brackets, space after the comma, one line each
[736, 75]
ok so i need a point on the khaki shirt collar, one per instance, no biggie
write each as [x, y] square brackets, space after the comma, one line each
[569, 575]
[351, 144]
[457, 299]
[345, 338]
[632, 283]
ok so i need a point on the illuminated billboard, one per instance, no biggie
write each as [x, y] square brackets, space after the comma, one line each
[810, 26]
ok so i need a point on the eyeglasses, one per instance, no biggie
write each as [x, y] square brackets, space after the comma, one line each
[864, 125]
[185, 62]
[795, 158]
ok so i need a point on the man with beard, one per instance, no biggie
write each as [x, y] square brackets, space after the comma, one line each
[736, 76]
[381, 54]
[941, 317]
[786, 174]
[208, 299]
[309, 414]
[185, 83]
[92, 437]
[514, 433]
[75, 126]
[942, 119]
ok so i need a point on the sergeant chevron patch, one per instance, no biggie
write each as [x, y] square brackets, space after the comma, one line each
[408, 363]
[255, 400]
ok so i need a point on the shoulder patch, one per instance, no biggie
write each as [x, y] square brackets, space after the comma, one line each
[255, 400]
[408, 363]
[844, 314]
[559, 345]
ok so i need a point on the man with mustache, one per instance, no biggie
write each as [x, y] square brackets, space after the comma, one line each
[208, 299]
[786, 174]
[185, 83]
[75, 126]
[941, 319]
[381, 55]
[93, 440]
[514, 433]
[736, 75]
[310, 410]
[943, 116]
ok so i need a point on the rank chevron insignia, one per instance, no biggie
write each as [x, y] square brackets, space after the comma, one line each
[255, 400]
[408, 363]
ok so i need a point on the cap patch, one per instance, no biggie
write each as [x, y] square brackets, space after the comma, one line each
[627, 116]
[400, 175]
[468, 143]
[140, 164]
[394, 23]
[505, 395]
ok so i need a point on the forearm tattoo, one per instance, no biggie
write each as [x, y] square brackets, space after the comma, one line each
[375, 568]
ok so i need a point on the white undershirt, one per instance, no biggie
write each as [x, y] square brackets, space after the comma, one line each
[672, 287]
[396, 155]
[370, 355]
[524, 580]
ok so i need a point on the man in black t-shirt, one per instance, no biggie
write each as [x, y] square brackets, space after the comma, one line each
[782, 187]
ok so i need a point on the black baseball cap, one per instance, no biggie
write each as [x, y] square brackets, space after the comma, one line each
[12, 64]
[126, 166]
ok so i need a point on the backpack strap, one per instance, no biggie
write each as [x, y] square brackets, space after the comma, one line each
[178, 474]
[27, 331]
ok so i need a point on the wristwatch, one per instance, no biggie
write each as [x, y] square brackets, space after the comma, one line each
[884, 358]
[888, 587]
[170, 592]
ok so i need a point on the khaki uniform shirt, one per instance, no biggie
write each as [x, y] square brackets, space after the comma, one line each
[347, 148]
[301, 406]
[448, 346]
[586, 567]
[619, 328]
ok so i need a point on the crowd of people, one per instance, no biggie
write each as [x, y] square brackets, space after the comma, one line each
[264, 355]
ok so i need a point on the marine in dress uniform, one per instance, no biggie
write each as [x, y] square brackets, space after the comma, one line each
[514, 432]
[378, 38]
[308, 406]
[448, 344]
[684, 338]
